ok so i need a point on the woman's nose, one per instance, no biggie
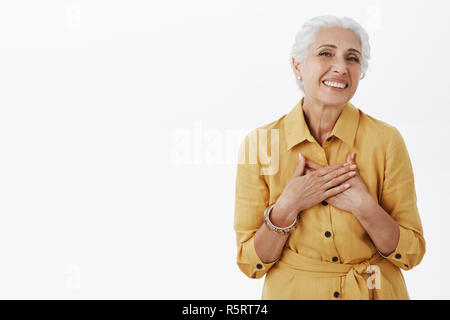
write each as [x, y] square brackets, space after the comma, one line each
[339, 66]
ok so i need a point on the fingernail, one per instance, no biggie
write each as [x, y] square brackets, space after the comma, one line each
[353, 166]
[300, 156]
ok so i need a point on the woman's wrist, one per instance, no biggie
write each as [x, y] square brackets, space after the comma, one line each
[281, 216]
[364, 206]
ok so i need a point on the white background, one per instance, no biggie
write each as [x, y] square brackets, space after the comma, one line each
[97, 97]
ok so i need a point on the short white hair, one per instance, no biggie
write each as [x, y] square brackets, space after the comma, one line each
[306, 36]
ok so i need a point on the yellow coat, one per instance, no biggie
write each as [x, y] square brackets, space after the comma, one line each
[329, 255]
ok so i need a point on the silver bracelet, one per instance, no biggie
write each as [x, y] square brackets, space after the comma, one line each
[273, 227]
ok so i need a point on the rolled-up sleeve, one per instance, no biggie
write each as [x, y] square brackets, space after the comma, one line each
[252, 197]
[400, 201]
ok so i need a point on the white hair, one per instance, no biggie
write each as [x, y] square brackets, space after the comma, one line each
[306, 36]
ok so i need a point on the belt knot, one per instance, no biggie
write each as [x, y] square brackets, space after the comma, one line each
[362, 267]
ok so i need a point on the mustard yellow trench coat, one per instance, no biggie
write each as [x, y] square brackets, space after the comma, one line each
[329, 255]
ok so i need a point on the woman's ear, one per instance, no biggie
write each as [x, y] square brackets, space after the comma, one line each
[297, 69]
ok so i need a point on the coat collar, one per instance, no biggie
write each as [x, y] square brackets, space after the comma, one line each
[296, 129]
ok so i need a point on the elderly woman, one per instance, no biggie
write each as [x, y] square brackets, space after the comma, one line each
[336, 216]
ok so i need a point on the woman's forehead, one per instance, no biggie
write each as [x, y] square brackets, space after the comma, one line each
[338, 37]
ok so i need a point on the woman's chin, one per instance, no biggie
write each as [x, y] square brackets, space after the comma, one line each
[337, 99]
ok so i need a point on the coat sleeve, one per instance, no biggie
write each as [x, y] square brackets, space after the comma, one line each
[251, 199]
[400, 201]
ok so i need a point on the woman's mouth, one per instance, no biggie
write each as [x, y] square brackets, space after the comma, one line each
[337, 86]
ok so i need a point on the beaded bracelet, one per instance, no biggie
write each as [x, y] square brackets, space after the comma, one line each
[274, 228]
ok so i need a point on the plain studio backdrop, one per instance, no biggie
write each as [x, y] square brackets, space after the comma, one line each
[119, 128]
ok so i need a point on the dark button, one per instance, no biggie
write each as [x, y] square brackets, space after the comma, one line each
[336, 294]
[398, 255]
[335, 259]
[328, 234]
[259, 266]
[324, 203]
[329, 138]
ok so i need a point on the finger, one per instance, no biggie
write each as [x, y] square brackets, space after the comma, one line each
[300, 166]
[349, 157]
[339, 180]
[312, 164]
[339, 172]
[336, 190]
[325, 170]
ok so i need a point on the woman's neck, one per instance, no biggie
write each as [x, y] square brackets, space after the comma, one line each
[320, 118]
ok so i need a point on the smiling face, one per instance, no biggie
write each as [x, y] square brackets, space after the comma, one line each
[332, 68]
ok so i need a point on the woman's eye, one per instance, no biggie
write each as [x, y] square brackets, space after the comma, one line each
[329, 54]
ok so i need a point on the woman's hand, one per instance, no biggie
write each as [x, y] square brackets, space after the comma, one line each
[351, 199]
[306, 190]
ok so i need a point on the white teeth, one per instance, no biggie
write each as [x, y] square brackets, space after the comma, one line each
[335, 84]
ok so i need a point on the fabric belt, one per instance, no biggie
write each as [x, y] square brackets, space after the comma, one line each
[355, 286]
